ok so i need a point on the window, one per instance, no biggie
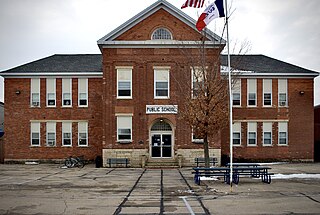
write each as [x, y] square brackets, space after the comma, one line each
[161, 34]
[124, 76]
[66, 92]
[267, 92]
[236, 93]
[252, 133]
[282, 92]
[66, 133]
[51, 133]
[35, 92]
[267, 133]
[83, 92]
[197, 81]
[283, 133]
[83, 134]
[35, 133]
[236, 136]
[51, 92]
[196, 139]
[252, 91]
[124, 128]
[161, 83]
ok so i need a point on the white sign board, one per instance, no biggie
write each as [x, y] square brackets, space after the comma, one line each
[162, 109]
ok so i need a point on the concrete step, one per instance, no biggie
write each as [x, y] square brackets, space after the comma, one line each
[162, 163]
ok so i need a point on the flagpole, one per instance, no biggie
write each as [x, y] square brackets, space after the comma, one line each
[230, 99]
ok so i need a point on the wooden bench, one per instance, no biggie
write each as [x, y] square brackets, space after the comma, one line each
[200, 160]
[116, 161]
[256, 172]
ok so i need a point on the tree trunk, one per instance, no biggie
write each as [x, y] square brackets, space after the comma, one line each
[206, 151]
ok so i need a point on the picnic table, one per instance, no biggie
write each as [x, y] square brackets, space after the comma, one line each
[256, 172]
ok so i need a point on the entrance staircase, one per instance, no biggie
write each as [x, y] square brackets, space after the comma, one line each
[161, 163]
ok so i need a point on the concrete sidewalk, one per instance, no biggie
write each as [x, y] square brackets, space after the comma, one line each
[48, 189]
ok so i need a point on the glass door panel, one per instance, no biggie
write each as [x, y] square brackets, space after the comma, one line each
[156, 145]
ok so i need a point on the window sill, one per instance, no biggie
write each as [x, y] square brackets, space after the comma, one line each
[83, 106]
[197, 141]
[86, 146]
[286, 145]
[252, 145]
[267, 145]
[124, 141]
[66, 107]
[35, 146]
[124, 98]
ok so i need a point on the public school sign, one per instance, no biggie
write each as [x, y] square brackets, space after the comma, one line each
[162, 109]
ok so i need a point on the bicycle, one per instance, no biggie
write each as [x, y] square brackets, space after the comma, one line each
[74, 162]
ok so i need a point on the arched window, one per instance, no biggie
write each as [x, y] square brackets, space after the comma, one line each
[161, 126]
[161, 34]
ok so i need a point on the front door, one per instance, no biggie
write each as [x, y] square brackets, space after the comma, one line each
[161, 145]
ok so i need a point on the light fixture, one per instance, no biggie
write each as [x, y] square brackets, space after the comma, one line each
[301, 93]
[18, 92]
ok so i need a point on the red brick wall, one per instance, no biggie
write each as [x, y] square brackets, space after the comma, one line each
[299, 114]
[18, 114]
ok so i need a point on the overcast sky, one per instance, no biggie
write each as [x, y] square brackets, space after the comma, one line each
[287, 30]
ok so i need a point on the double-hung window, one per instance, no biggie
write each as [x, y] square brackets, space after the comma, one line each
[51, 92]
[35, 133]
[283, 133]
[252, 133]
[236, 93]
[35, 92]
[236, 136]
[196, 138]
[282, 92]
[161, 83]
[197, 81]
[83, 92]
[124, 80]
[124, 128]
[66, 92]
[66, 133]
[83, 134]
[51, 133]
[252, 92]
[267, 92]
[267, 133]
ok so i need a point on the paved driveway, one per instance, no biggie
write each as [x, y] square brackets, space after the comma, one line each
[48, 189]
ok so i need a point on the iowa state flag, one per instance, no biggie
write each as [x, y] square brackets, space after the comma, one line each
[214, 10]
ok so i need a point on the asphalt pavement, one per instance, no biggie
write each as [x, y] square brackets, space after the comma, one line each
[50, 189]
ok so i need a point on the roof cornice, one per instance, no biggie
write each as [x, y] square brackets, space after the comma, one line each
[49, 74]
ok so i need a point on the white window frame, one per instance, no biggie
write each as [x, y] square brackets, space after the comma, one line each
[85, 82]
[195, 139]
[66, 89]
[83, 131]
[66, 128]
[267, 89]
[283, 128]
[51, 128]
[164, 30]
[51, 89]
[35, 89]
[236, 90]
[124, 69]
[35, 128]
[155, 82]
[236, 128]
[267, 128]
[283, 89]
[252, 128]
[251, 89]
[129, 126]
[193, 70]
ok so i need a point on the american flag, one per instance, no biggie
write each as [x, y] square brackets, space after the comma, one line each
[193, 3]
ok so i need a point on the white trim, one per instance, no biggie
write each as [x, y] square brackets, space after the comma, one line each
[86, 89]
[51, 92]
[155, 81]
[52, 74]
[126, 69]
[273, 75]
[261, 120]
[87, 134]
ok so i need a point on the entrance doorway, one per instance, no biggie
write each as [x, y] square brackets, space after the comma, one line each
[161, 140]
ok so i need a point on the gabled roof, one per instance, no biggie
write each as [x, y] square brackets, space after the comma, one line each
[160, 4]
[259, 65]
[79, 64]
[91, 65]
